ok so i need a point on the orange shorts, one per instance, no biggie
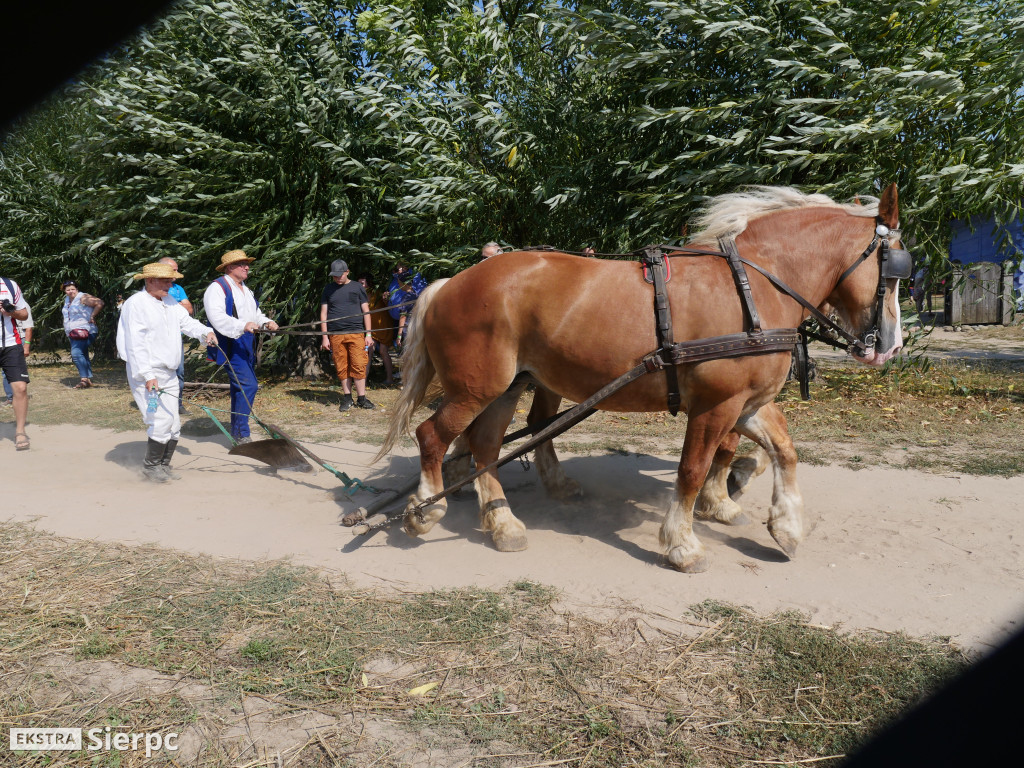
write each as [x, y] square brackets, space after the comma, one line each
[349, 353]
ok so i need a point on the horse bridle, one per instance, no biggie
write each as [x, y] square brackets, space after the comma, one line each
[893, 264]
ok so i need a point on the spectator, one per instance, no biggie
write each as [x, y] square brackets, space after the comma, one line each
[404, 288]
[80, 310]
[25, 329]
[921, 290]
[149, 341]
[178, 294]
[491, 249]
[345, 325]
[13, 307]
[381, 329]
[235, 315]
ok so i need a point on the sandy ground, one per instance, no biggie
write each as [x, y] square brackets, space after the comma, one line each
[889, 549]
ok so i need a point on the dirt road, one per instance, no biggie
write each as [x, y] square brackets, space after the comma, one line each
[890, 549]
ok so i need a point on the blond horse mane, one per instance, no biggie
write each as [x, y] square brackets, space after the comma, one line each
[728, 215]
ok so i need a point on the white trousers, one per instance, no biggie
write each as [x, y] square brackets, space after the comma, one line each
[165, 424]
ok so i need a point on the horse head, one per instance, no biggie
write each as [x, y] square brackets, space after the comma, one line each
[866, 296]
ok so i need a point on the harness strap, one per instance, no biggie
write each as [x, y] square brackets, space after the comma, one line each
[733, 345]
[860, 259]
[818, 314]
[654, 258]
[728, 246]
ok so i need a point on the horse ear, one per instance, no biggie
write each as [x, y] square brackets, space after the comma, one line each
[889, 208]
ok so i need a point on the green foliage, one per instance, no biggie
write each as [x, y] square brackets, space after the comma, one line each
[839, 97]
[305, 130]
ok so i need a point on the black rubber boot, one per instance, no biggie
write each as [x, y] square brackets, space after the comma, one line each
[346, 403]
[165, 462]
[152, 469]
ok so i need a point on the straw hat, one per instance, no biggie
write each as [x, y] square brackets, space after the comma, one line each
[158, 270]
[231, 258]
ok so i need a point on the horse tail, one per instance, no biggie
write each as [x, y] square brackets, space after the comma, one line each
[419, 379]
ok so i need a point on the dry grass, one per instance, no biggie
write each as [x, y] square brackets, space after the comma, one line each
[236, 656]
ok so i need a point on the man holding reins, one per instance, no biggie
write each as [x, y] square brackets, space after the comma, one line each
[235, 315]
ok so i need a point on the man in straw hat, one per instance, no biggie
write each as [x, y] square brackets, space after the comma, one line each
[149, 341]
[233, 312]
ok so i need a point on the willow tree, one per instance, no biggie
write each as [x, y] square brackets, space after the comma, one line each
[234, 125]
[840, 97]
[39, 215]
[490, 118]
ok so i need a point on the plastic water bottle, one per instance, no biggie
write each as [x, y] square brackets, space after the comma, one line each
[152, 400]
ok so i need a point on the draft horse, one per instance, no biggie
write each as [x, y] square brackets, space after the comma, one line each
[569, 325]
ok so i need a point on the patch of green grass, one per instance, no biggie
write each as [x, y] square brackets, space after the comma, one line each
[261, 650]
[820, 690]
[95, 646]
[1001, 464]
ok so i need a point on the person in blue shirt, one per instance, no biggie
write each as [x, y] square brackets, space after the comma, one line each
[178, 294]
[405, 287]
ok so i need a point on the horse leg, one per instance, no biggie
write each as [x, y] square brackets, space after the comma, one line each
[705, 431]
[484, 437]
[767, 428]
[460, 464]
[744, 470]
[556, 483]
[713, 502]
[434, 436]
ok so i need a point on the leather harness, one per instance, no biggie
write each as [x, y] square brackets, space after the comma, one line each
[753, 341]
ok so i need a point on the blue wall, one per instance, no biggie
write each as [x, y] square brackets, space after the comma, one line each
[968, 247]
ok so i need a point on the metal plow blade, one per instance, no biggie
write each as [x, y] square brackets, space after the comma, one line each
[278, 453]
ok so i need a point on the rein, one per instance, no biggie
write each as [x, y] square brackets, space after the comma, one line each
[286, 330]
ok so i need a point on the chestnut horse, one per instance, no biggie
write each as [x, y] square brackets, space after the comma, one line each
[570, 325]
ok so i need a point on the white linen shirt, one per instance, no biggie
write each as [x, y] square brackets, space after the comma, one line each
[149, 334]
[215, 306]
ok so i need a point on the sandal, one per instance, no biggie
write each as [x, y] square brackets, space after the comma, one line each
[83, 384]
[21, 442]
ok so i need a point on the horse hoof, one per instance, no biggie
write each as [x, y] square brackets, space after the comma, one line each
[735, 485]
[415, 526]
[694, 563]
[514, 541]
[787, 543]
[741, 473]
[724, 511]
[417, 523]
[567, 491]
